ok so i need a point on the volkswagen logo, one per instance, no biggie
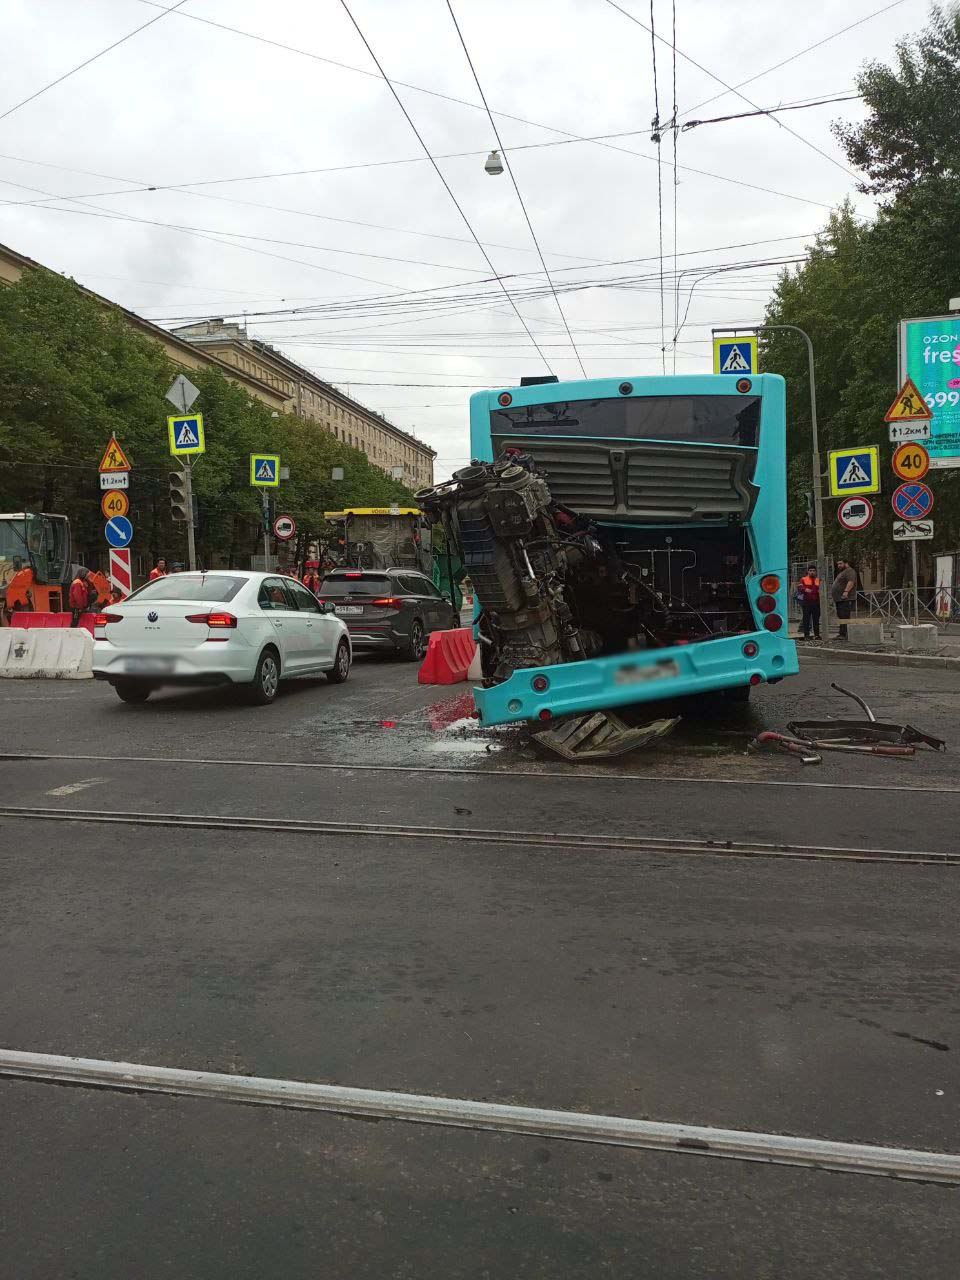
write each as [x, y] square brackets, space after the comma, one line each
[153, 616]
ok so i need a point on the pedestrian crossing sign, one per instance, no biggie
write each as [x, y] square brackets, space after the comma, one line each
[854, 471]
[186, 434]
[735, 355]
[265, 469]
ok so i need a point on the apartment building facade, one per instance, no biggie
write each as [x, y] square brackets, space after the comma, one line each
[395, 451]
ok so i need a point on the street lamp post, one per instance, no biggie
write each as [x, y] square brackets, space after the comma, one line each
[815, 436]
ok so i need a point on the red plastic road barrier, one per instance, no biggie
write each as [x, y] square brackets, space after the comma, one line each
[33, 620]
[449, 655]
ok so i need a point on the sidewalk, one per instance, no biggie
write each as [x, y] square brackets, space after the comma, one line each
[947, 657]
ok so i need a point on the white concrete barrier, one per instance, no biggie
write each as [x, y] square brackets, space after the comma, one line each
[925, 638]
[55, 653]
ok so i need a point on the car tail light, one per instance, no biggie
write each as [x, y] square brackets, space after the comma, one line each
[386, 602]
[751, 649]
[353, 575]
[770, 583]
[219, 621]
[766, 604]
[773, 622]
[102, 619]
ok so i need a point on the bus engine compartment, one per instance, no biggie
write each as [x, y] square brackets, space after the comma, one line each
[557, 586]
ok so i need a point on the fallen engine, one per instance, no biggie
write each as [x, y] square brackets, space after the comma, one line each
[501, 517]
[557, 587]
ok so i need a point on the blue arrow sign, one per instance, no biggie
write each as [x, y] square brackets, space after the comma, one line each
[118, 532]
[913, 501]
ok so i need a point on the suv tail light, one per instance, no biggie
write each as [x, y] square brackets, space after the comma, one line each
[386, 602]
[101, 619]
[216, 621]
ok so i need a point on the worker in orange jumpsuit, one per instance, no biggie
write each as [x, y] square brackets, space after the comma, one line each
[82, 594]
[159, 570]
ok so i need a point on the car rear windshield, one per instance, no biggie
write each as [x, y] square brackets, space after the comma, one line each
[360, 584]
[217, 588]
[694, 419]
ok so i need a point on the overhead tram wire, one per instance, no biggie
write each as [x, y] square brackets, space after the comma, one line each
[793, 57]
[93, 58]
[657, 136]
[434, 93]
[447, 187]
[675, 132]
[730, 89]
[509, 166]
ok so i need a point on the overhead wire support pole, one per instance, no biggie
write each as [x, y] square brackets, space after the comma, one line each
[509, 168]
[439, 172]
[814, 432]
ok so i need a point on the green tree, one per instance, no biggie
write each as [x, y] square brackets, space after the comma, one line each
[73, 372]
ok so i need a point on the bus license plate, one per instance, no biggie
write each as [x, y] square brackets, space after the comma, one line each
[349, 608]
[640, 675]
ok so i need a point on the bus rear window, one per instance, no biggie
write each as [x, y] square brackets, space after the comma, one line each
[729, 420]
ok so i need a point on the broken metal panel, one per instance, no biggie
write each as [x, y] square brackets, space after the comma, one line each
[600, 735]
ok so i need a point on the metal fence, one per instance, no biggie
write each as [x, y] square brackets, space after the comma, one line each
[939, 605]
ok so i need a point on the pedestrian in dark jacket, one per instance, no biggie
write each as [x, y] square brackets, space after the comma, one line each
[842, 593]
[808, 594]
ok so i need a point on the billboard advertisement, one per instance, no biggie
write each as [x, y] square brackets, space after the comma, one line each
[930, 355]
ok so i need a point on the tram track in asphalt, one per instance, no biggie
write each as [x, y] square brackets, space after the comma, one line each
[574, 775]
[559, 840]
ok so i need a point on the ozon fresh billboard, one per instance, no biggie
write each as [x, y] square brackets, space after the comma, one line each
[930, 355]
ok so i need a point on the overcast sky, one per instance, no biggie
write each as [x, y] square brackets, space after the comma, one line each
[184, 103]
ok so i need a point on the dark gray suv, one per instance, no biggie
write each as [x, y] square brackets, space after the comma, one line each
[391, 610]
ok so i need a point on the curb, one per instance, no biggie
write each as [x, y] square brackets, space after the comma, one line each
[934, 663]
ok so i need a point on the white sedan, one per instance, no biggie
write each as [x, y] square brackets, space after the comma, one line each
[223, 627]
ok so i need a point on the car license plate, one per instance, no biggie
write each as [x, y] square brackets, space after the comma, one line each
[641, 674]
[148, 666]
[349, 608]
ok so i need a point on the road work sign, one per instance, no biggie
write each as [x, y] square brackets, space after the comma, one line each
[186, 435]
[854, 471]
[265, 469]
[911, 462]
[118, 531]
[912, 501]
[855, 513]
[909, 405]
[114, 459]
[900, 431]
[114, 503]
[735, 355]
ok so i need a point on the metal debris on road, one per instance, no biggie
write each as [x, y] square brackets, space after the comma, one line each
[600, 735]
[807, 738]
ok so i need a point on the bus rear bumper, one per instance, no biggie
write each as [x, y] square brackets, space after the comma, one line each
[648, 675]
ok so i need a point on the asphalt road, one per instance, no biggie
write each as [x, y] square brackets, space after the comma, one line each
[812, 996]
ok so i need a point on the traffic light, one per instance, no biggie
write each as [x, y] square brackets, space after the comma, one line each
[811, 509]
[179, 507]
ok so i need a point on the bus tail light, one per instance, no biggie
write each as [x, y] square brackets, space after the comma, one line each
[756, 678]
[770, 583]
[773, 622]
[766, 604]
[540, 683]
[751, 649]
[545, 714]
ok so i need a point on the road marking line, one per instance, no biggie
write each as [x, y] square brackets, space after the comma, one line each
[732, 1144]
[574, 775]
[71, 788]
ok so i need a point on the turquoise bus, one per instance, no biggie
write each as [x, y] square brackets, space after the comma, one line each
[656, 565]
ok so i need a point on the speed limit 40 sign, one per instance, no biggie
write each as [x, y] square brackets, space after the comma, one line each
[114, 503]
[911, 461]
